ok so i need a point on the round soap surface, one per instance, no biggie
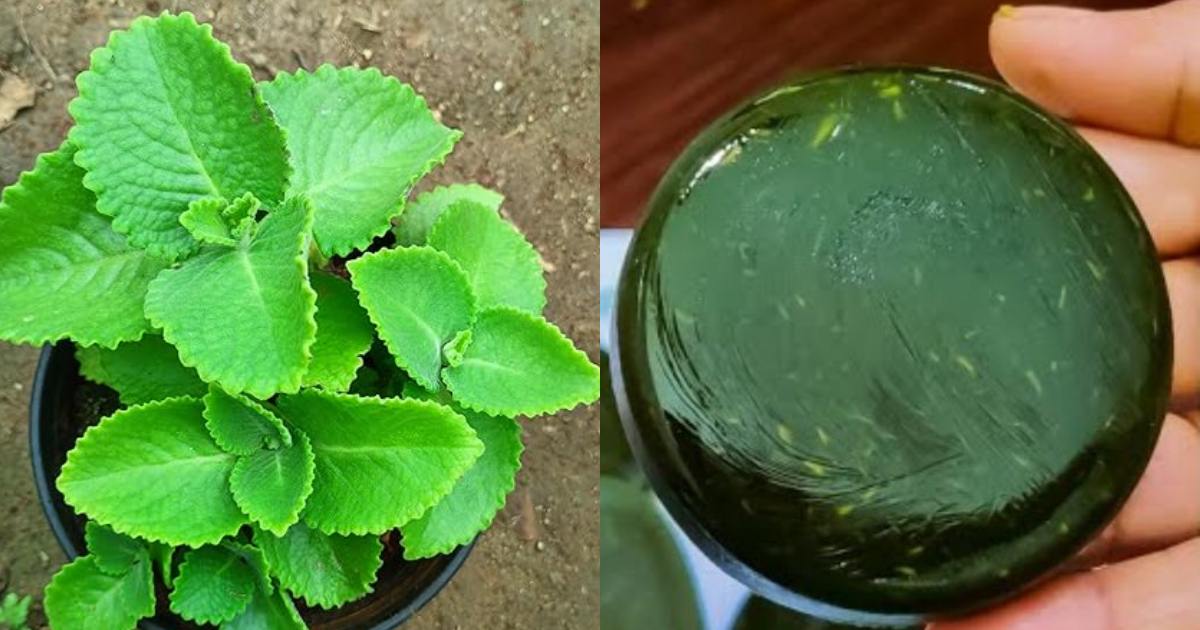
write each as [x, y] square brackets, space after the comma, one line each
[892, 343]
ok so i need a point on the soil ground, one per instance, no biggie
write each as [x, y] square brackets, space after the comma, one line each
[521, 79]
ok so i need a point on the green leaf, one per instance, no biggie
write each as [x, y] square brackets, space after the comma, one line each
[214, 585]
[204, 221]
[412, 390]
[380, 462]
[140, 371]
[64, 272]
[358, 142]
[82, 597]
[164, 556]
[423, 212]
[343, 333]
[454, 349]
[244, 316]
[165, 116]
[380, 376]
[114, 553]
[242, 426]
[519, 364]
[271, 485]
[257, 560]
[267, 611]
[643, 580]
[153, 471]
[14, 611]
[325, 570]
[502, 265]
[478, 495]
[418, 299]
[218, 221]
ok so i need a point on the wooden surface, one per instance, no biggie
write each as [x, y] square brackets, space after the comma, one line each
[669, 67]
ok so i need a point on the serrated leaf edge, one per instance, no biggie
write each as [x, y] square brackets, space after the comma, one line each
[182, 577]
[389, 82]
[374, 317]
[527, 247]
[191, 542]
[287, 583]
[442, 189]
[305, 491]
[292, 385]
[18, 188]
[136, 615]
[358, 358]
[566, 404]
[484, 522]
[272, 418]
[83, 84]
[89, 527]
[441, 489]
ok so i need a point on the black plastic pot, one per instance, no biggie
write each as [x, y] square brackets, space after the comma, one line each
[55, 422]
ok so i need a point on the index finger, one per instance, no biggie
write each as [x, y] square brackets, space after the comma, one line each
[1134, 71]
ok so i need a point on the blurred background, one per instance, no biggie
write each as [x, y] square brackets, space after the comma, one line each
[670, 67]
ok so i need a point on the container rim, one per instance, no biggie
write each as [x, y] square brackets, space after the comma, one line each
[40, 407]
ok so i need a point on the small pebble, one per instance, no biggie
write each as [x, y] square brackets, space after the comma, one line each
[541, 546]
[498, 86]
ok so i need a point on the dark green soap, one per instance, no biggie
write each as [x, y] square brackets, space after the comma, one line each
[892, 343]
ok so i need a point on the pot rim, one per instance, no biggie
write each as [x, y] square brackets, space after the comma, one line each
[49, 498]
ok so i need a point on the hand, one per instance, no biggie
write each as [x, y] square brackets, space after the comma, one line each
[1131, 81]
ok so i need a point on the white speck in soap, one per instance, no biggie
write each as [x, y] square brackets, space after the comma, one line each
[966, 364]
[828, 128]
[1034, 381]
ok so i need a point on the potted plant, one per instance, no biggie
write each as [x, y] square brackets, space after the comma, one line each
[314, 378]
